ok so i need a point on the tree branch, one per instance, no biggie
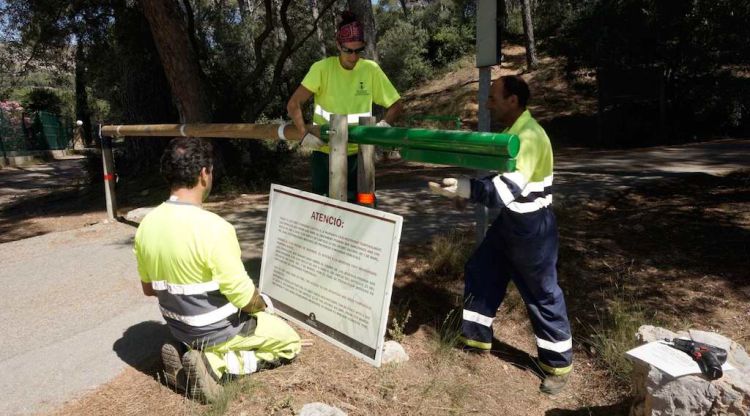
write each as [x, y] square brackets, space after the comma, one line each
[260, 62]
[287, 50]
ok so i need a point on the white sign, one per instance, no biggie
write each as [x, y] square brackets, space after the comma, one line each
[670, 360]
[328, 265]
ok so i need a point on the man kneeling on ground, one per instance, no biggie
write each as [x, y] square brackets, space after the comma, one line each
[190, 259]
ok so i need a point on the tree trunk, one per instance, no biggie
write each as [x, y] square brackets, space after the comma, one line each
[528, 30]
[363, 10]
[244, 10]
[404, 8]
[144, 97]
[319, 31]
[179, 59]
[83, 112]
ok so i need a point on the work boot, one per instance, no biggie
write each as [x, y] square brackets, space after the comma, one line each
[174, 372]
[463, 345]
[201, 384]
[553, 384]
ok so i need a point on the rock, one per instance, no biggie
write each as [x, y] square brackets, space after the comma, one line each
[393, 352]
[649, 333]
[137, 214]
[320, 409]
[658, 394]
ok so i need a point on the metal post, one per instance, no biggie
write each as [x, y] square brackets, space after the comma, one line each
[109, 176]
[337, 164]
[366, 169]
[480, 211]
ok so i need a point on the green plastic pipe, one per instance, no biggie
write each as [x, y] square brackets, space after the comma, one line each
[454, 141]
[466, 160]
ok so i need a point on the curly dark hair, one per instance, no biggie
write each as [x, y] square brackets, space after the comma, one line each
[183, 160]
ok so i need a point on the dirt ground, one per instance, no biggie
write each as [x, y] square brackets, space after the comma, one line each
[666, 252]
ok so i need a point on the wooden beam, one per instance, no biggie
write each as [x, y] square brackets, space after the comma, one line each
[218, 130]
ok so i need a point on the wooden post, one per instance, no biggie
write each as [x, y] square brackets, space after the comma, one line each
[337, 165]
[366, 169]
[109, 176]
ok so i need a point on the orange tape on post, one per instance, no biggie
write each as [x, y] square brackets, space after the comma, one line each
[109, 177]
[368, 199]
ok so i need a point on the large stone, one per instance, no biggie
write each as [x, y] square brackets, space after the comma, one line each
[137, 214]
[393, 352]
[320, 409]
[658, 394]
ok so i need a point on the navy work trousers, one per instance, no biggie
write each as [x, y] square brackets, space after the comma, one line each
[522, 248]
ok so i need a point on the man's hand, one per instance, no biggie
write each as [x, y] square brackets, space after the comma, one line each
[311, 142]
[382, 123]
[452, 188]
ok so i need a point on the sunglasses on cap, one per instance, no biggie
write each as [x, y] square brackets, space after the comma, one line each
[358, 51]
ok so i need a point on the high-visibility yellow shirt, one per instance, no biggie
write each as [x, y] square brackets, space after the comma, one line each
[191, 249]
[347, 91]
[534, 160]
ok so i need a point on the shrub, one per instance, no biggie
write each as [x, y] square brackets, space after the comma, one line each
[40, 99]
[404, 61]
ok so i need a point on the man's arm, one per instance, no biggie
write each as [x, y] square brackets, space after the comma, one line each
[393, 113]
[147, 289]
[294, 107]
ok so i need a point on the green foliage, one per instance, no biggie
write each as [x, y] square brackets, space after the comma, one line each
[401, 315]
[404, 61]
[613, 336]
[431, 37]
[40, 99]
[449, 332]
[450, 43]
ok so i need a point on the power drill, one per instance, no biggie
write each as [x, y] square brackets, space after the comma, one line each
[708, 357]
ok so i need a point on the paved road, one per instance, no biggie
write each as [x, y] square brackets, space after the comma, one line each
[73, 316]
[71, 307]
[21, 182]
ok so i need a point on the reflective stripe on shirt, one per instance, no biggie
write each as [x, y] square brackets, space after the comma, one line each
[191, 289]
[204, 319]
[350, 118]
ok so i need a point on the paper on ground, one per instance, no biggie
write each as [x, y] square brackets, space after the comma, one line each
[668, 359]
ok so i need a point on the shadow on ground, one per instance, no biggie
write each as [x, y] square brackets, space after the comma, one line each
[140, 346]
[617, 409]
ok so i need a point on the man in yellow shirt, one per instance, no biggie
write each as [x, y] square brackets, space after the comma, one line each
[343, 84]
[190, 259]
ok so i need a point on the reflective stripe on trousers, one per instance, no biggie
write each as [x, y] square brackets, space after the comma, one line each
[273, 339]
[523, 250]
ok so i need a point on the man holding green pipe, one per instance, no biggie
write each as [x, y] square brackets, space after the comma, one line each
[343, 84]
[522, 243]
